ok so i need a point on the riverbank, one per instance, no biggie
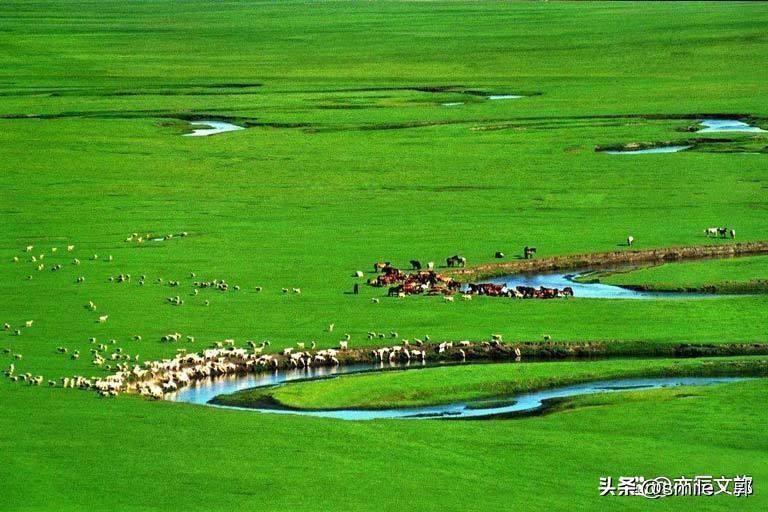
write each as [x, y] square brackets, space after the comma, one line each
[612, 258]
[473, 383]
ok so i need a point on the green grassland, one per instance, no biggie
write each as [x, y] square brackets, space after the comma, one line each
[349, 160]
[430, 386]
[743, 275]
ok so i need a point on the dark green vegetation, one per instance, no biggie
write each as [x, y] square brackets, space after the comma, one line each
[351, 158]
[477, 382]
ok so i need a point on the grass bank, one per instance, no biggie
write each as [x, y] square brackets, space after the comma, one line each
[430, 386]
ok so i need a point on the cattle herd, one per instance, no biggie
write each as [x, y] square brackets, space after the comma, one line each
[429, 282]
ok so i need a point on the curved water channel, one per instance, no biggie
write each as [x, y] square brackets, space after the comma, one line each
[588, 290]
[203, 392]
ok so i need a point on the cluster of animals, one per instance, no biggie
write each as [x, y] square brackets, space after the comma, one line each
[135, 237]
[518, 292]
[722, 232]
[430, 282]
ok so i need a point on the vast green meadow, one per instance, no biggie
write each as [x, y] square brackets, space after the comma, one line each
[351, 156]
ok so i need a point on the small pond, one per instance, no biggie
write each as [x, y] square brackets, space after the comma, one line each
[727, 125]
[214, 127]
[648, 151]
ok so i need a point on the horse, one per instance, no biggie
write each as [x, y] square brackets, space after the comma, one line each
[528, 252]
[456, 261]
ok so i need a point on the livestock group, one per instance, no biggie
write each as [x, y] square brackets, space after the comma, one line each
[429, 282]
[722, 232]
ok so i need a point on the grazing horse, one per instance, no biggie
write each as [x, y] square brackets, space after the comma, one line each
[528, 252]
[416, 264]
[456, 261]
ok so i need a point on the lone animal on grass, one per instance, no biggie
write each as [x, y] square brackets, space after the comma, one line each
[499, 255]
[456, 261]
[103, 319]
[630, 240]
[29, 323]
[733, 233]
[529, 252]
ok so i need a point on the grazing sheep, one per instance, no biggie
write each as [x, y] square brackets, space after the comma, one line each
[207, 303]
[343, 345]
[448, 298]
[547, 337]
[287, 351]
[81, 279]
[359, 273]
[375, 300]
[54, 249]
[300, 345]
[75, 356]
[431, 265]
[103, 318]
[6, 326]
[464, 343]
[284, 290]
[29, 323]
[15, 259]
[259, 288]
[331, 327]
[30, 247]
[733, 233]
[18, 357]
[70, 248]
[466, 296]
[17, 332]
[296, 290]
[630, 240]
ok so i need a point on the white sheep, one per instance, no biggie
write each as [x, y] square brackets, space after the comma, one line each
[103, 318]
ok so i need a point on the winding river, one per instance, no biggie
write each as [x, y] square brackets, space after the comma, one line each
[587, 290]
[204, 391]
